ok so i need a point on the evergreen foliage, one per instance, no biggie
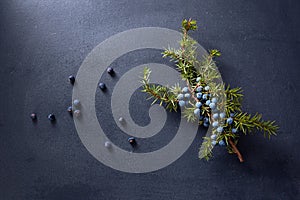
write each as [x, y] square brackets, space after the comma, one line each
[210, 101]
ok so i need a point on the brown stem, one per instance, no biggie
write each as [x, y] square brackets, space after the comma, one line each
[166, 99]
[191, 91]
[154, 94]
[235, 149]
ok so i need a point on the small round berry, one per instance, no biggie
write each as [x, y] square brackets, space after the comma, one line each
[107, 144]
[76, 102]
[215, 124]
[198, 104]
[198, 79]
[185, 89]
[110, 70]
[187, 95]
[51, 117]
[180, 96]
[214, 100]
[231, 114]
[213, 137]
[212, 105]
[121, 119]
[204, 96]
[221, 143]
[33, 116]
[201, 117]
[77, 113]
[222, 115]
[220, 129]
[206, 124]
[229, 120]
[197, 112]
[72, 79]
[207, 102]
[102, 86]
[213, 143]
[215, 116]
[131, 141]
[206, 120]
[70, 109]
[206, 88]
[199, 89]
[234, 130]
[181, 103]
[199, 95]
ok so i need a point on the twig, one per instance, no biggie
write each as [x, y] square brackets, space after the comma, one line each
[191, 91]
[235, 149]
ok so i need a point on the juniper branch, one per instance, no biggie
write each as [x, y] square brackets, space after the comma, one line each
[247, 124]
[160, 94]
[191, 68]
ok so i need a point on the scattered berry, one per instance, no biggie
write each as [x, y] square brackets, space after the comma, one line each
[77, 113]
[198, 79]
[33, 116]
[234, 130]
[102, 86]
[132, 141]
[110, 70]
[231, 114]
[70, 109]
[205, 124]
[72, 79]
[51, 117]
[199, 89]
[213, 143]
[121, 119]
[76, 102]
[204, 97]
[107, 144]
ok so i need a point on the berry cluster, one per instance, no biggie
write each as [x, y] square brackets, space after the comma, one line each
[184, 97]
[206, 110]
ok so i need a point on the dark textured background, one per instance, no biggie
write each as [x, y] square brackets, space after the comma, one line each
[43, 42]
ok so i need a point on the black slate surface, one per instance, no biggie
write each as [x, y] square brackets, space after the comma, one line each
[43, 42]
